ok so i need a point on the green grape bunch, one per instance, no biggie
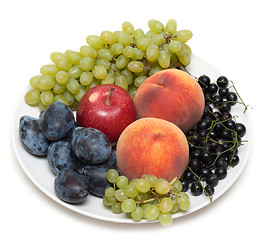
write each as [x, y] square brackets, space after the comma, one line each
[125, 58]
[147, 198]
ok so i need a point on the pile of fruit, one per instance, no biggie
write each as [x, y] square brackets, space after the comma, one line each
[145, 132]
[125, 58]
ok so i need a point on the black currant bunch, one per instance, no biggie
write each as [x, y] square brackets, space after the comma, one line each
[214, 140]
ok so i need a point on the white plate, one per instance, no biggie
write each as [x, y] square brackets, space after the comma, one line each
[38, 171]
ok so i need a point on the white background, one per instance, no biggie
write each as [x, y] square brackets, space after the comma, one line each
[227, 34]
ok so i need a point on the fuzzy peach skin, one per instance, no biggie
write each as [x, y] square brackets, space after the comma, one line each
[172, 95]
[152, 146]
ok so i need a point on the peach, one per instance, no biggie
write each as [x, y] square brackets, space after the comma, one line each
[152, 146]
[172, 95]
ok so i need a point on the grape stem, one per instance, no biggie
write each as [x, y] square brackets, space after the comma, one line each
[199, 180]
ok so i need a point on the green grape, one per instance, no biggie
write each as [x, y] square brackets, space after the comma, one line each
[152, 212]
[55, 56]
[105, 53]
[137, 214]
[165, 47]
[128, 205]
[155, 26]
[165, 219]
[174, 58]
[73, 85]
[47, 97]
[183, 200]
[130, 190]
[182, 50]
[116, 208]
[49, 69]
[164, 59]
[154, 70]
[69, 97]
[46, 82]
[110, 192]
[138, 33]
[132, 91]
[64, 64]
[108, 37]
[121, 82]
[112, 175]
[122, 181]
[61, 98]
[121, 61]
[86, 63]
[133, 181]
[143, 43]
[188, 49]
[34, 81]
[184, 35]
[59, 88]
[94, 41]
[174, 46]
[158, 39]
[139, 80]
[177, 186]
[138, 54]
[171, 26]
[143, 185]
[128, 75]
[128, 52]
[152, 180]
[99, 71]
[103, 62]
[88, 51]
[120, 195]
[94, 83]
[75, 71]
[80, 93]
[184, 59]
[32, 97]
[86, 78]
[123, 38]
[108, 201]
[149, 34]
[127, 27]
[116, 49]
[162, 186]
[175, 207]
[152, 52]
[62, 77]
[109, 79]
[165, 205]
[74, 57]
[135, 66]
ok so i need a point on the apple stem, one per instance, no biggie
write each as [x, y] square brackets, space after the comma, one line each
[108, 98]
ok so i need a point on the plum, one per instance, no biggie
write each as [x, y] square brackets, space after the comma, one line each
[96, 175]
[60, 155]
[32, 137]
[71, 186]
[90, 145]
[57, 121]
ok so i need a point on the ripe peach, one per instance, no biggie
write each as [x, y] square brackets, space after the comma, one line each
[152, 146]
[172, 95]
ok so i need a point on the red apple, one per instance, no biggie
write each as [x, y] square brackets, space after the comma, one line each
[108, 108]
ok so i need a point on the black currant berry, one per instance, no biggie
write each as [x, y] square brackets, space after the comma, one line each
[222, 81]
[196, 189]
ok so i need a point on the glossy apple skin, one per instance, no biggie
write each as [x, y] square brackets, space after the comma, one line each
[111, 119]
